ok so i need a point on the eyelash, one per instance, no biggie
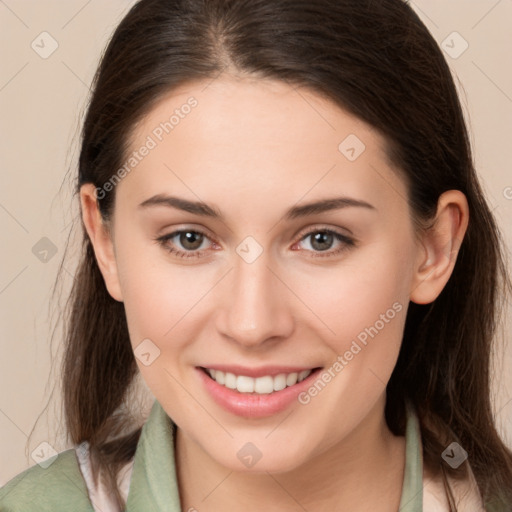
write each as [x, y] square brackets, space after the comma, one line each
[345, 240]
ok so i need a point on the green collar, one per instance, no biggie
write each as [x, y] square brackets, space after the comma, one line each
[412, 488]
[154, 485]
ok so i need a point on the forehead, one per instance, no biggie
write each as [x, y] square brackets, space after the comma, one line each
[260, 135]
[251, 111]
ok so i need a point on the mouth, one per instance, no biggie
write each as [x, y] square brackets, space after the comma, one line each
[261, 385]
[266, 391]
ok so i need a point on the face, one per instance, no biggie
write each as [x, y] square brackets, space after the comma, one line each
[262, 235]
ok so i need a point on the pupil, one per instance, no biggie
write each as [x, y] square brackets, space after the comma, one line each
[322, 241]
[191, 240]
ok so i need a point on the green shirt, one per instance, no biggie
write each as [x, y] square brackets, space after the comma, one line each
[153, 484]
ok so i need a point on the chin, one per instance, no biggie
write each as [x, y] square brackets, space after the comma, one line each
[251, 459]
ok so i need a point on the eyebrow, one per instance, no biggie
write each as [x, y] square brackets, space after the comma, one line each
[205, 210]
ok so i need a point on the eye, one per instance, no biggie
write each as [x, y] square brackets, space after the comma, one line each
[185, 243]
[321, 241]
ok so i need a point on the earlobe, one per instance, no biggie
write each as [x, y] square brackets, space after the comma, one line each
[101, 240]
[439, 247]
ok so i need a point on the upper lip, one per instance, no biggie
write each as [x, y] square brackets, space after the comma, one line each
[258, 372]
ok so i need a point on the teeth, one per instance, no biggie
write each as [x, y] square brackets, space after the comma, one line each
[245, 384]
[303, 374]
[261, 385]
[291, 379]
[229, 380]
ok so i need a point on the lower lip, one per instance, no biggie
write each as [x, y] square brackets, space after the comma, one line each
[251, 405]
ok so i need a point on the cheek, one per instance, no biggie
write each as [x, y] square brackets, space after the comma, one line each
[366, 290]
[161, 311]
[158, 300]
[161, 298]
[363, 307]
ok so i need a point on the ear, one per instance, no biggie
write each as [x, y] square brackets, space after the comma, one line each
[439, 247]
[101, 239]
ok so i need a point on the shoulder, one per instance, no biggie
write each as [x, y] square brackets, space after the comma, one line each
[47, 487]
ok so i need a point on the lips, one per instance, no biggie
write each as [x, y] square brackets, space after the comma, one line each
[261, 401]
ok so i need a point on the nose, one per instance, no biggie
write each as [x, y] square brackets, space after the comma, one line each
[255, 306]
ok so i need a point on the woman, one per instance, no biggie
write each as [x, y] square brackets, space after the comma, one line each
[284, 235]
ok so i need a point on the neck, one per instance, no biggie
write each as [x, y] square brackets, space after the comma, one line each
[364, 471]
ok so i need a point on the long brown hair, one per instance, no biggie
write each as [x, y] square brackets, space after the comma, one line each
[377, 60]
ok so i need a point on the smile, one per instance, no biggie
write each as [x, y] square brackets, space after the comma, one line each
[263, 385]
[255, 392]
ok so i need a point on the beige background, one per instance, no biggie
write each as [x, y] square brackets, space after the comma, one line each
[42, 102]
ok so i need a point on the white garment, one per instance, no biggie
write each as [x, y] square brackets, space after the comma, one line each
[100, 499]
[466, 494]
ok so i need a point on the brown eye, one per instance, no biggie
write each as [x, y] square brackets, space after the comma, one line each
[325, 241]
[191, 240]
[185, 243]
[322, 241]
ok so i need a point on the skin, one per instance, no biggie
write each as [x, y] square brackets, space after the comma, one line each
[252, 149]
